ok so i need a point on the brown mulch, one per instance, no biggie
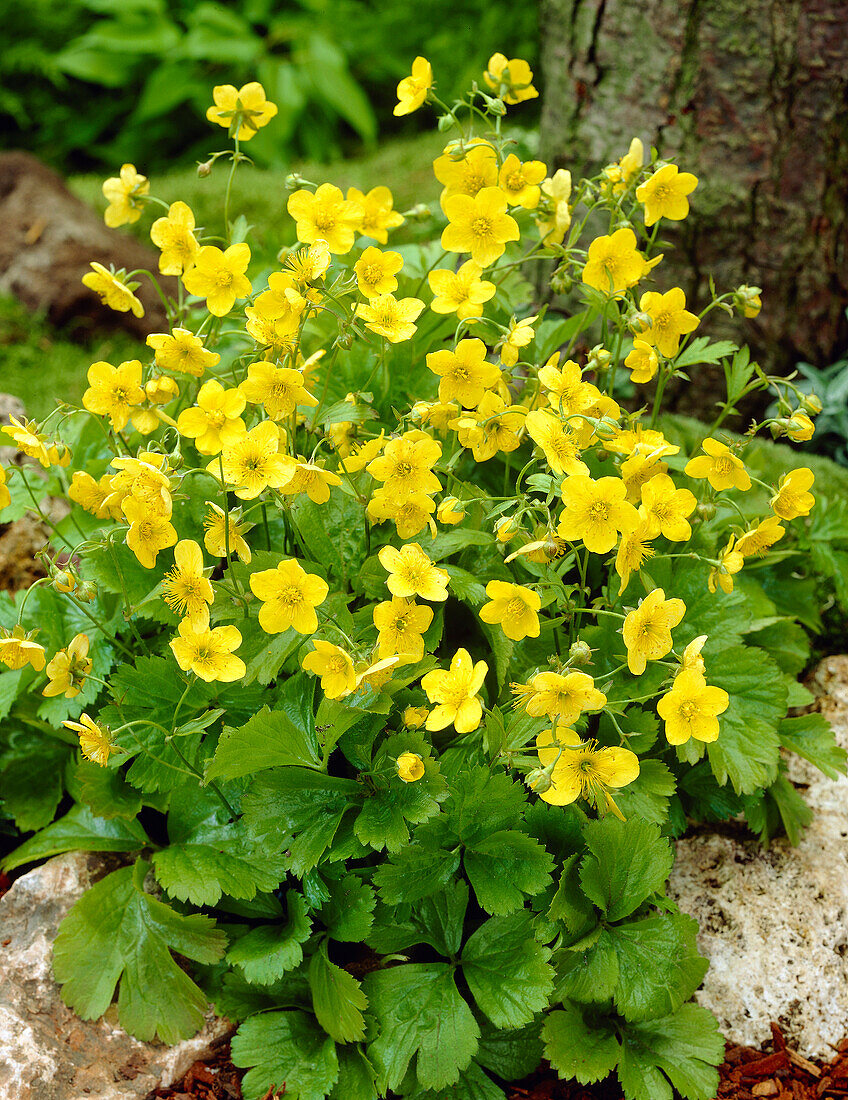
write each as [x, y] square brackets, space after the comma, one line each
[775, 1071]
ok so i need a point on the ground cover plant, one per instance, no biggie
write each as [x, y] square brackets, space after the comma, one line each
[389, 648]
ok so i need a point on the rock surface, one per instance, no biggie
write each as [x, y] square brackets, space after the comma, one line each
[46, 1052]
[774, 922]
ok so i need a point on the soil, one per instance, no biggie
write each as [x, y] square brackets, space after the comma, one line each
[747, 1073]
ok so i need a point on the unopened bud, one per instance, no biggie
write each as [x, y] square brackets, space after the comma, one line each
[505, 528]
[539, 780]
[418, 212]
[345, 340]
[161, 389]
[812, 404]
[561, 281]
[748, 301]
[445, 123]
[86, 591]
[639, 322]
[450, 511]
[599, 358]
[580, 653]
[63, 581]
[294, 181]
[497, 106]
[204, 168]
[706, 510]
[606, 428]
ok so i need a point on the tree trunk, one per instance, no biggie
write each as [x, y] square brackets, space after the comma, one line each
[753, 98]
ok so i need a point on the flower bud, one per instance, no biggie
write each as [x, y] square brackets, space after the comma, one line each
[539, 780]
[345, 340]
[580, 653]
[418, 212]
[415, 717]
[505, 528]
[706, 510]
[450, 511]
[410, 767]
[204, 168]
[63, 581]
[812, 404]
[161, 389]
[598, 358]
[496, 106]
[445, 123]
[561, 281]
[747, 300]
[294, 181]
[86, 591]
[639, 321]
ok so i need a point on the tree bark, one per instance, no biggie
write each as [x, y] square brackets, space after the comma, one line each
[753, 98]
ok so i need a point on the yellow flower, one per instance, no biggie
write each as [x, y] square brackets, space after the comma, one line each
[401, 624]
[450, 511]
[290, 596]
[642, 361]
[67, 671]
[145, 479]
[566, 391]
[93, 495]
[112, 290]
[279, 389]
[511, 80]
[182, 352]
[455, 693]
[692, 660]
[719, 466]
[670, 319]
[253, 462]
[556, 216]
[464, 372]
[362, 453]
[793, 498]
[5, 495]
[215, 422]
[520, 182]
[241, 111]
[561, 696]
[647, 630]
[414, 717]
[595, 511]
[325, 216]
[334, 666]
[614, 263]
[749, 300]
[413, 89]
[411, 573]
[637, 470]
[186, 589]
[557, 441]
[518, 335]
[95, 740]
[378, 213]
[494, 427]
[756, 541]
[219, 277]
[174, 235]
[462, 292]
[376, 270]
[634, 548]
[506, 528]
[410, 767]
[149, 531]
[619, 175]
[125, 194]
[479, 225]
[410, 513]
[390, 317]
[207, 653]
[666, 507]
[582, 770]
[220, 530]
[691, 709]
[802, 428]
[17, 649]
[642, 441]
[406, 465]
[160, 389]
[514, 608]
[113, 391]
[664, 194]
[466, 170]
[312, 479]
[309, 265]
[730, 561]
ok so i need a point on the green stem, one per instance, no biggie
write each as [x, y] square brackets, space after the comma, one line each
[229, 190]
[44, 519]
[93, 618]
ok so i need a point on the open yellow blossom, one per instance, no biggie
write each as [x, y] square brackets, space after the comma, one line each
[126, 196]
[582, 770]
[215, 422]
[756, 541]
[95, 739]
[144, 478]
[455, 693]
[362, 453]
[634, 548]
[411, 573]
[325, 216]
[401, 624]
[465, 374]
[566, 391]
[149, 532]
[253, 462]
[378, 213]
[670, 319]
[664, 195]
[614, 263]
[279, 389]
[520, 182]
[641, 441]
[160, 389]
[514, 608]
[563, 696]
[68, 669]
[309, 265]
[221, 530]
[620, 174]
[284, 300]
[730, 561]
[174, 236]
[595, 511]
[186, 589]
[511, 79]
[666, 507]
[495, 427]
[219, 277]
[312, 479]
[462, 292]
[410, 767]
[793, 497]
[413, 89]
[435, 413]
[406, 464]
[334, 666]
[647, 630]
[391, 317]
[414, 717]
[290, 596]
[92, 495]
[518, 335]
[207, 653]
[555, 218]
[557, 441]
[182, 352]
[466, 170]
[113, 290]
[242, 110]
[376, 271]
[691, 709]
[719, 466]
[479, 225]
[642, 361]
[410, 512]
[637, 470]
[113, 391]
[18, 649]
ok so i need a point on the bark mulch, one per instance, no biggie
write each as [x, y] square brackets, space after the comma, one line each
[775, 1071]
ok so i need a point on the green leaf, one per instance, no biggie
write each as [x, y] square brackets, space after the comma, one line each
[811, 737]
[786, 641]
[442, 917]
[420, 1013]
[627, 862]
[388, 809]
[658, 965]
[265, 953]
[778, 805]
[590, 974]
[118, 933]
[264, 654]
[685, 1046]
[700, 350]
[482, 803]
[473, 1084]
[270, 739]
[106, 792]
[356, 1076]
[334, 533]
[504, 867]
[31, 781]
[447, 543]
[510, 1054]
[349, 913]
[576, 1049]
[415, 872]
[78, 830]
[569, 904]
[337, 999]
[285, 1050]
[647, 797]
[507, 970]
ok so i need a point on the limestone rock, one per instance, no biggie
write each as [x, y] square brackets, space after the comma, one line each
[774, 922]
[46, 1051]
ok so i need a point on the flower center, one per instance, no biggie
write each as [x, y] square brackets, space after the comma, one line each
[599, 511]
[291, 595]
[481, 227]
[325, 220]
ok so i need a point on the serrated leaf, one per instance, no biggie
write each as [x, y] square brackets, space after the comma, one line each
[78, 830]
[348, 914]
[390, 808]
[686, 1046]
[265, 953]
[510, 1054]
[700, 350]
[270, 739]
[811, 737]
[504, 867]
[31, 784]
[105, 791]
[285, 1049]
[590, 974]
[658, 965]
[507, 970]
[627, 862]
[472, 1084]
[442, 917]
[570, 905]
[647, 797]
[577, 1050]
[415, 872]
[337, 999]
[356, 1076]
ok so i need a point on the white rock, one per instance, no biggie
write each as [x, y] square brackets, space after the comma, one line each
[46, 1051]
[774, 922]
